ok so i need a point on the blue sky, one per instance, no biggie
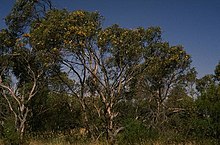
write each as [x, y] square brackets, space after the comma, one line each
[195, 24]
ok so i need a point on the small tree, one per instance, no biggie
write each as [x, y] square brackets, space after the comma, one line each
[21, 67]
[207, 107]
[21, 78]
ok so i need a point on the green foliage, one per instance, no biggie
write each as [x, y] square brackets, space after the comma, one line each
[166, 62]
[217, 72]
[72, 30]
[136, 133]
[54, 113]
[208, 106]
[7, 40]
[10, 135]
[24, 12]
[124, 45]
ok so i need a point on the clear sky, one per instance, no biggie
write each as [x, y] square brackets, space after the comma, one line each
[195, 24]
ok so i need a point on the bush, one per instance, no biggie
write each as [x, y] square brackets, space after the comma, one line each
[136, 133]
[10, 135]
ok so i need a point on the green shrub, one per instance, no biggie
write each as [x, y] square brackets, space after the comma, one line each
[136, 133]
[10, 135]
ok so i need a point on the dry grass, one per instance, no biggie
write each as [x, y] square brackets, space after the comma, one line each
[44, 143]
[61, 142]
[96, 143]
[34, 142]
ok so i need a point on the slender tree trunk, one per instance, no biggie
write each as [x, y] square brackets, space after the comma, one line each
[21, 132]
[22, 122]
[110, 124]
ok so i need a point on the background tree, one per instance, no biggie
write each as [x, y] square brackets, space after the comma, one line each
[166, 68]
[208, 106]
[217, 72]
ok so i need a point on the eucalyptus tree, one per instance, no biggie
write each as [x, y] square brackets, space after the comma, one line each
[207, 106]
[167, 67]
[21, 67]
[65, 41]
[18, 91]
[100, 62]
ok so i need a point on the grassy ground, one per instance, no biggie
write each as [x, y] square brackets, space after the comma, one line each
[34, 142]
[56, 141]
[96, 143]
[102, 143]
